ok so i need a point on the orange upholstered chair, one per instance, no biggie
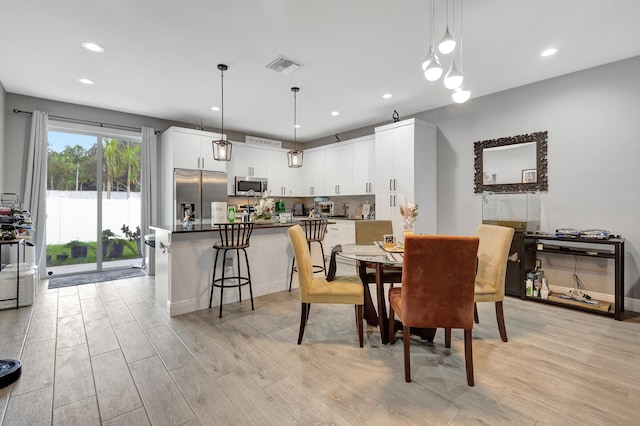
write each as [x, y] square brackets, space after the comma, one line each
[437, 290]
[495, 242]
[318, 290]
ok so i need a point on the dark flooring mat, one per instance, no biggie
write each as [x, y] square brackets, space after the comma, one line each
[95, 277]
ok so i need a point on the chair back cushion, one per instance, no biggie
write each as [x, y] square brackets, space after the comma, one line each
[495, 243]
[303, 259]
[438, 276]
[368, 231]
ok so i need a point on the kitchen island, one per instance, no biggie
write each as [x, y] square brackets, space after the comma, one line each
[184, 265]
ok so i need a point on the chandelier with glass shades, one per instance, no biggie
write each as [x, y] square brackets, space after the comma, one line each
[431, 66]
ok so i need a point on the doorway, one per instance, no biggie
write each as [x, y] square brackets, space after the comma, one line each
[93, 199]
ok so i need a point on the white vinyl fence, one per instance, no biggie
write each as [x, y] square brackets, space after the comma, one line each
[72, 215]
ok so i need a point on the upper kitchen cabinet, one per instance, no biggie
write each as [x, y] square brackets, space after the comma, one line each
[190, 149]
[338, 169]
[284, 181]
[248, 161]
[405, 169]
[313, 173]
[363, 160]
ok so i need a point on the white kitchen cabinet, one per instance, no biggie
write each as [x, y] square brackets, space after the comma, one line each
[338, 233]
[190, 149]
[362, 164]
[313, 173]
[405, 169]
[284, 181]
[248, 160]
[338, 169]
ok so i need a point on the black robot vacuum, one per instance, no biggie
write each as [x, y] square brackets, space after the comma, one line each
[10, 370]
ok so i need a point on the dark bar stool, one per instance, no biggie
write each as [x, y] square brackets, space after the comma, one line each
[314, 229]
[233, 236]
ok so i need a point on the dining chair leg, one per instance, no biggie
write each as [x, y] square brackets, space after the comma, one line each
[304, 315]
[407, 355]
[468, 356]
[475, 313]
[360, 325]
[392, 328]
[293, 264]
[447, 337]
[500, 318]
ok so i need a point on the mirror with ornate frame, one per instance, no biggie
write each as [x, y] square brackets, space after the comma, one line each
[513, 164]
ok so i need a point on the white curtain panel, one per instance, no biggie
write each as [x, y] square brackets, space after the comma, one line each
[149, 180]
[35, 183]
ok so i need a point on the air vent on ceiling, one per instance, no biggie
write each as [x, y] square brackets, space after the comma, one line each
[283, 65]
[253, 140]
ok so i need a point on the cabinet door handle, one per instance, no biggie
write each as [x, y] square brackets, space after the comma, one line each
[390, 202]
[203, 162]
[390, 185]
[395, 199]
[395, 184]
[198, 162]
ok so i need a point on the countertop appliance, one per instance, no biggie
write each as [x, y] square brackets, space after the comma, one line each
[195, 190]
[243, 185]
[331, 208]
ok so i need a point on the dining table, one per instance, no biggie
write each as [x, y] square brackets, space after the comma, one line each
[379, 267]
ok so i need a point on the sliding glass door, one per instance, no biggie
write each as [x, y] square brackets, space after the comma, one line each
[93, 199]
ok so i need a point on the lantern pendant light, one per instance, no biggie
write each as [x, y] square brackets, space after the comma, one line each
[294, 157]
[222, 147]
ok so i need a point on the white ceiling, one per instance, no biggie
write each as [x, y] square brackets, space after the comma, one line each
[161, 56]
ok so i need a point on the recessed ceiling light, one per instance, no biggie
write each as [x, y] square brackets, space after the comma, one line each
[387, 96]
[85, 81]
[297, 126]
[215, 108]
[335, 113]
[549, 52]
[92, 47]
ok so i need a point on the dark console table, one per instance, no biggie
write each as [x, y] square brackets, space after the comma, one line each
[612, 248]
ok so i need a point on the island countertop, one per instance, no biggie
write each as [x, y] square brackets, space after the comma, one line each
[178, 229]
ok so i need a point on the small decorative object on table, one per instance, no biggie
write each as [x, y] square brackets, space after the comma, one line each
[187, 220]
[264, 209]
[409, 212]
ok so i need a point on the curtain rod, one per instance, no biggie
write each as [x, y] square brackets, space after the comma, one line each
[79, 121]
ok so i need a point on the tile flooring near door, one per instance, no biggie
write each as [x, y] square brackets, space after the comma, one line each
[107, 354]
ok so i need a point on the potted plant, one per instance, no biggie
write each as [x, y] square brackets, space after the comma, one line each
[78, 249]
[112, 245]
[133, 236]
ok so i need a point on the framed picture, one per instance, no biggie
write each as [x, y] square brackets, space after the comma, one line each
[529, 176]
[388, 239]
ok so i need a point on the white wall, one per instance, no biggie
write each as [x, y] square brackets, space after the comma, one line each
[3, 96]
[593, 119]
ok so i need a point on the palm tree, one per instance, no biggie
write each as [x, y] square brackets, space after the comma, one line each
[74, 155]
[112, 160]
[130, 159]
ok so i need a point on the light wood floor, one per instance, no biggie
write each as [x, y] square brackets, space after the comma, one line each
[106, 354]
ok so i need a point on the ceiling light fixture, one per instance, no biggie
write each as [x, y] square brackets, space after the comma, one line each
[387, 96]
[294, 157]
[215, 108]
[549, 52]
[448, 43]
[335, 113]
[91, 46]
[431, 64]
[85, 81]
[222, 147]
[462, 93]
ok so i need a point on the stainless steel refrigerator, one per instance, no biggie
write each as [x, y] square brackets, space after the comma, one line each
[196, 190]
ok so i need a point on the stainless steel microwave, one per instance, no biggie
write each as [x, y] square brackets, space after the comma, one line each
[245, 184]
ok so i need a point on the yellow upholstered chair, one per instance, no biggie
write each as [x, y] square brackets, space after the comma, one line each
[437, 291]
[318, 290]
[495, 242]
[368, 231]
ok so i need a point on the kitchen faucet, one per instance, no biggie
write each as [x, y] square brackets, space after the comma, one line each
[252, 193]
